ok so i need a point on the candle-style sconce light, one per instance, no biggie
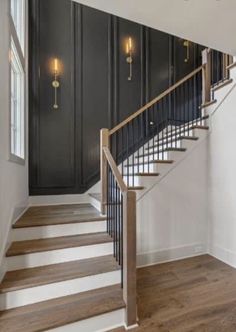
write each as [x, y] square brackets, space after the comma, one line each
[187, 45]
[56, 83]
[129, 59]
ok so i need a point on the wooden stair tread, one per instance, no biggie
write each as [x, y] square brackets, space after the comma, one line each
[175, 139]
[58, 215]
[59, 312]
[160, 151]
[147, 174]
[209, 103]
[33, 246]
[136, 188]
[200, 127]
[37, 276]
[151, 162]
[96, 196]
[222, 84]
[182, 129]
[143, 174]
[232, 65]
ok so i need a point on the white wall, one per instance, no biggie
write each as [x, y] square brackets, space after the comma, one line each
[207, 22]
[13, 177]
[222, 182]
[172, 218]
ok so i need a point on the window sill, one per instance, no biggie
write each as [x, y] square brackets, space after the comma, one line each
[16, 160]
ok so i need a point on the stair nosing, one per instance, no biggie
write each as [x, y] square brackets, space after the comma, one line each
[191, 138]
[98, 218]
[164, 150]
[59, 279]
[222, 84]
[232, 65]
[39, 250]
[151, 162]
[54, 305]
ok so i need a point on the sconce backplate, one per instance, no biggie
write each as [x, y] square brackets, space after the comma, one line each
[129, 59]
[55, 84]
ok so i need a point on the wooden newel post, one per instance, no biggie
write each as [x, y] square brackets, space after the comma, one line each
[129, 257]
[206, 76]
[104, 142]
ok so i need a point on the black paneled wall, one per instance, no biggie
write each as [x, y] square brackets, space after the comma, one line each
[94, 90]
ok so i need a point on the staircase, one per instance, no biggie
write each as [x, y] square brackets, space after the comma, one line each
[73, 267]
[61, 270]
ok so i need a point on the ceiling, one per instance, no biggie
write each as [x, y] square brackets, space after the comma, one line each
[207, 22]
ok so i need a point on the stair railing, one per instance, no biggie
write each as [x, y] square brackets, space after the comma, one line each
[135, 144]
[121, 225]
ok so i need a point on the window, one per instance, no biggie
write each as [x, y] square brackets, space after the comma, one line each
[17, 80]
[18, 18]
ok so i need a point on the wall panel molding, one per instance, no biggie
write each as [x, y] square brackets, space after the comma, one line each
[94, 93]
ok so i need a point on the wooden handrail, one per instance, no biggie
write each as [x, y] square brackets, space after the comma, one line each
[155, 100]
[115, 170]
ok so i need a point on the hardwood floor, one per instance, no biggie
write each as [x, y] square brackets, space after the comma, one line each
[191, 295]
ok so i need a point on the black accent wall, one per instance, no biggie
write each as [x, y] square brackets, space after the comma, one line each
[94, 90]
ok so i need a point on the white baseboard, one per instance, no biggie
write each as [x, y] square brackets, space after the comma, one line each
[16, 213]
[171, 254]
[101, 323]
[3, 268]
[224, 255]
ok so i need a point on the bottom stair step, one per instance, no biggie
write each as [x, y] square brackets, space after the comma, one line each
[54, 313]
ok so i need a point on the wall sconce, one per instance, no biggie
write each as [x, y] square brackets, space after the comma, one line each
[129, 59]
[187, 45]
[55, 83]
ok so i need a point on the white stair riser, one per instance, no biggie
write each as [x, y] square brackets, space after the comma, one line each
[31, 233]
[176, 155]
[101, 323]
[144, 181]
[155, 156]
[153, 168]
[200, 133]
[58, 256]
[176, 144]
[187, 144]
[58, 289]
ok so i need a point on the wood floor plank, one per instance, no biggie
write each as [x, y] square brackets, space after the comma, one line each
[33, 277]
[58, 214]
[33, 246]
[58, 312]
[191, 295]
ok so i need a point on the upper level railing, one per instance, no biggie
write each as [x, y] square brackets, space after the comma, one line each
[132, 146]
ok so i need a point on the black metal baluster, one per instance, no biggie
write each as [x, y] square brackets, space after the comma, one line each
[133, 150]
[116, 221]
[152, 132]
[127, 154]
[122, 225]
[138, 144]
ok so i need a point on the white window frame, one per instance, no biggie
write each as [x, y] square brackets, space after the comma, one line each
[20, 50]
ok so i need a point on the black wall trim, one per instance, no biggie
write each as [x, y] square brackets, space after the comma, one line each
[94, 93]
